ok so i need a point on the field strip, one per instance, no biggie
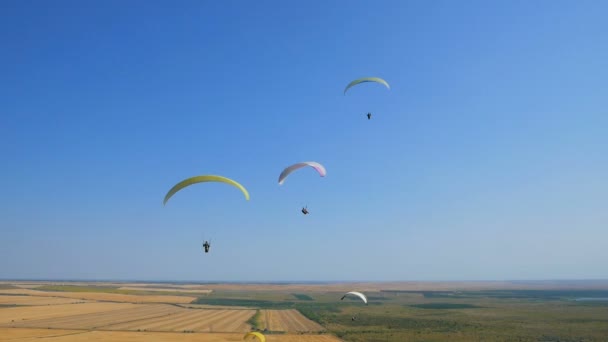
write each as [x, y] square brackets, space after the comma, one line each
[310, 325]
[28, 292]
[217, 323]
[145, 323]
[160, 289]
[182, 324]
[214, 307]
[205, 320]
[298, 324]
[178, 319]
[52, 335]
[277, 322]
[98, 322]
[239, 323]
[195, 319]
[99, 319]
[289, 321]
[101, 296]
[84, 316]
[27, 313]
[168, 324]
[273, 321]
[19, 334]
[30, 300]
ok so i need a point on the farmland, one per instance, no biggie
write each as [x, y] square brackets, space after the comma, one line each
[102, 296]
[142, 317]
[288, 320]
[164, 289]
[34, 335]
[30, 300]
[73, 312]
[304, 312]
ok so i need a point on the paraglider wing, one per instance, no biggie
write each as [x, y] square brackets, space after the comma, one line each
[366, 79]
[358, 294]
[320, 169]
[253, 335]
[201, 179]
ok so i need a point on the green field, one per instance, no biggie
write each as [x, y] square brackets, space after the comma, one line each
[443, 315]
[301, 296]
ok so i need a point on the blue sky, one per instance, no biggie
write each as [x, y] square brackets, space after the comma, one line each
[487, 159]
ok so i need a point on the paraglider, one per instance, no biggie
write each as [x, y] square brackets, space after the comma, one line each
[254, 335]
[367, 79]
[358, 294]
[320, 169]
[201, 179]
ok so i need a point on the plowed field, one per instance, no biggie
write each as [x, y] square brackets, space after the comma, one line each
[25, 314]
[288, 320]
[29, 300]
[110, 297]
[192, 320]
[52, 335]
[118, 316]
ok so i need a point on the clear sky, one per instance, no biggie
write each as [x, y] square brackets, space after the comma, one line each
[487, 159]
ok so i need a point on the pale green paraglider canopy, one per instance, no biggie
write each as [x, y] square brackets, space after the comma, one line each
[201, 179]
[367, 79]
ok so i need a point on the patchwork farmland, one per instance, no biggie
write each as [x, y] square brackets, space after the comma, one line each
[310, 315]
[133, 312]
[136, 317]
[25, 314]
[35, 335]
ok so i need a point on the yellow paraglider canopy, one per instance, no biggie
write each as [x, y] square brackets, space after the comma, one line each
[253, 335]
[201, 179]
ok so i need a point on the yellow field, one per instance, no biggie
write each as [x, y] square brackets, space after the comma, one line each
[289, 321]
[29, 300]
[121, 316]
[191, 320]
[52, 335]
[110, 297]
[25, 314]
[21, 292]
[209, 306]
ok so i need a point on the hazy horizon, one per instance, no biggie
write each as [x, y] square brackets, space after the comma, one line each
[487, 158]
[177, 281]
